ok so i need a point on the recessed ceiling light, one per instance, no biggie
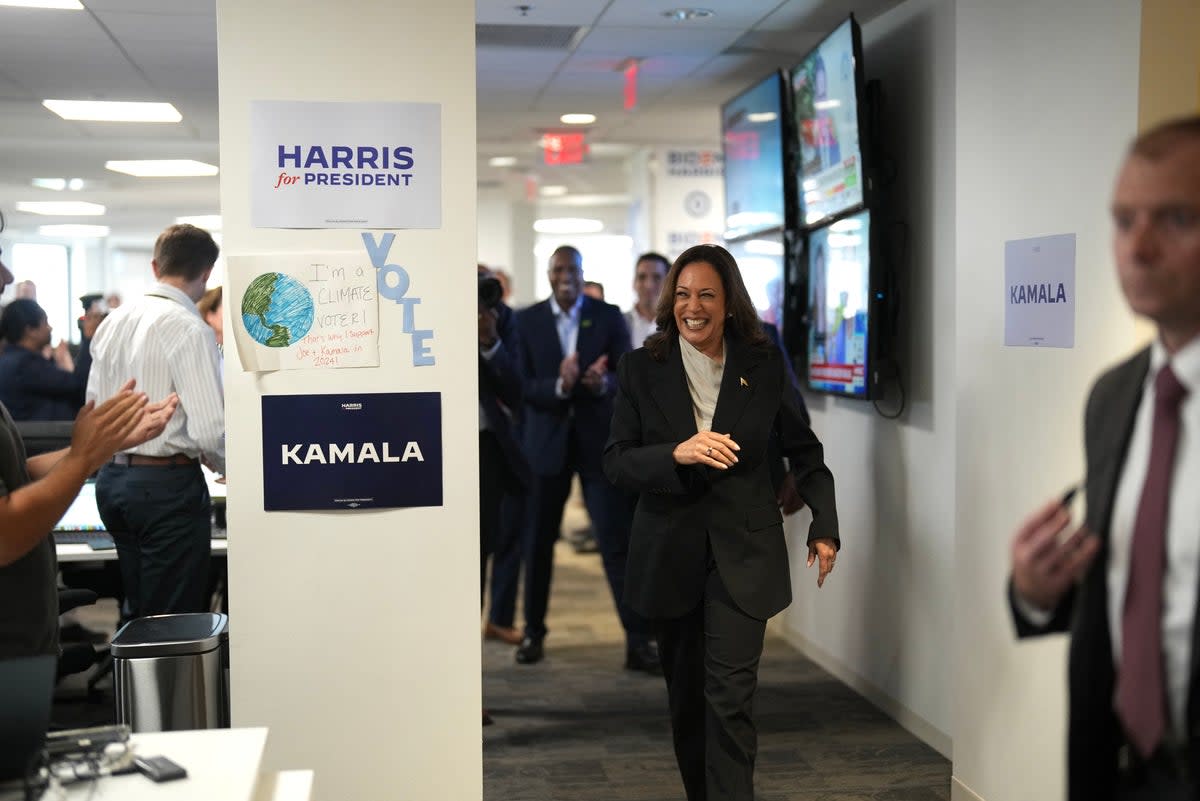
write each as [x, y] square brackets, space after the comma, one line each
[75, 184]
[77, 231]
[67, 5]
[577, 119]
[162, 168]
[502, 161]
[113, 111]
[554, 190]
[567, 225]
[53, 184]
[687, 14]
[209, 222]
[61, 208]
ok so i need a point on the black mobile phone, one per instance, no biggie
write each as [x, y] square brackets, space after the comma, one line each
[159, 768]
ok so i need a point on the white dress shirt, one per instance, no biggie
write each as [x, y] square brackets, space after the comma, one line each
[639, 327]
[567, 323]
[704, 375]
[162, 342]
[1183, 526]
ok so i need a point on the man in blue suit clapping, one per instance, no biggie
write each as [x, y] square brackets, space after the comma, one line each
[570, 346]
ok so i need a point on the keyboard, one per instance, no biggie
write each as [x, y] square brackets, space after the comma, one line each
[97, 540]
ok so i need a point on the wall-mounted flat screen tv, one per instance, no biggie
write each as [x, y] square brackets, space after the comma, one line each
[843, 313]
[760, 259]
[753, 142]
[827, 92]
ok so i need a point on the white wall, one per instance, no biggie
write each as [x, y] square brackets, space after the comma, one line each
[883, 622]
[355, 635]
[1046, 101]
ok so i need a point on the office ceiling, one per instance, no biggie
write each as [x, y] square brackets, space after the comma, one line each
[536, 59]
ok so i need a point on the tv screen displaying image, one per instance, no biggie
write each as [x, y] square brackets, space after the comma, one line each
[826, 88]
[752, 140]
[839, 291]
[760, 260]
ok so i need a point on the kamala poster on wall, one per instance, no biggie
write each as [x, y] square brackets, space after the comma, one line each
[362, 451]
[345, 165]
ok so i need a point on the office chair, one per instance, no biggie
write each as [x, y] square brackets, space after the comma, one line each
[75, 657]
[43, 436]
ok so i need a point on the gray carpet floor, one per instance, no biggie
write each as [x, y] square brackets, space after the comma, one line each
[578, 727]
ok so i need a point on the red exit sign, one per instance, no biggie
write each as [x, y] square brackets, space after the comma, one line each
[564, 148]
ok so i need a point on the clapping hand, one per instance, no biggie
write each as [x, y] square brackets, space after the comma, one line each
[100, 431]
[593, 377]
[568, 373]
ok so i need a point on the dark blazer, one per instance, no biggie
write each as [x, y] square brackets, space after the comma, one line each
[1095, 734]
[683, 508]
[550, 421]
[35, 388]
[500, 397]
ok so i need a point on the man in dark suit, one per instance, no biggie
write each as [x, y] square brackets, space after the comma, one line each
[570, 345]
[1124, 584]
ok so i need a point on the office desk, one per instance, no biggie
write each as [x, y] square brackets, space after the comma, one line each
[82, 553]
[222, 765]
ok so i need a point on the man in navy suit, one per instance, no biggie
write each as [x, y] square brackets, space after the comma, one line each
[570, 345]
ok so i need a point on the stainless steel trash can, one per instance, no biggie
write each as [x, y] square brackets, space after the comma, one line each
[170, 672]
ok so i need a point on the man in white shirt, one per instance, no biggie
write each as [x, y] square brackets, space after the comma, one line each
[1125, 583]
[648, 277]
[153, 498]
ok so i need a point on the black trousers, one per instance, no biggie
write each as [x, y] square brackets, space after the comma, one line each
[710, 659]
[506, 561]
[159, 518]
[491, 494]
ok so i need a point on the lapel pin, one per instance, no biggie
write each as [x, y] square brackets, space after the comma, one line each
[744, 382]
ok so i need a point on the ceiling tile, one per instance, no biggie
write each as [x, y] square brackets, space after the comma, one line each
[130, 27]
[504, 12]
[735, 14]
[621, 42]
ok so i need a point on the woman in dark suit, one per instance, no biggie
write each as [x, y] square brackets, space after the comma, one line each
[695, 410]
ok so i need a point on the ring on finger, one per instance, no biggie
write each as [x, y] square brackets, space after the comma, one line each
[708, 452]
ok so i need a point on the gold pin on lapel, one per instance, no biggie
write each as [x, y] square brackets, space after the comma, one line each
[744, 382]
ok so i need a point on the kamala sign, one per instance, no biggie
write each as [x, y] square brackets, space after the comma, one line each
[345, 165]
[365, 451]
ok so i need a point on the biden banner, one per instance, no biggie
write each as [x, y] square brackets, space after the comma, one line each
[364, 451]
[345, 165]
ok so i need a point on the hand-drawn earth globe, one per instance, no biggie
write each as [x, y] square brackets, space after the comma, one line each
[277, 310]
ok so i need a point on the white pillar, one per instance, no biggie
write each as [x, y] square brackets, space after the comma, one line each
[355, 635]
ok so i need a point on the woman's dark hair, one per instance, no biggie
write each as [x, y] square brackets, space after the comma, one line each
[19, 316]
[742, 321]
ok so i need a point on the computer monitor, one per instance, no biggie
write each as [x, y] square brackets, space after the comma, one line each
[82, 514]
[752, 138]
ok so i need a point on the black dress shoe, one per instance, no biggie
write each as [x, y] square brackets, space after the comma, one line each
[644, 657]
[530, 651]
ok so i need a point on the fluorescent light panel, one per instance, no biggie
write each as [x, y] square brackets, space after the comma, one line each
[65, 5]
[502, 161]
[113, 111]
[577, 119]
[162, 168]
[53, 184]
[554, 190]
[76, 231]
[567, 225]
[209, 222]
[61, 208]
